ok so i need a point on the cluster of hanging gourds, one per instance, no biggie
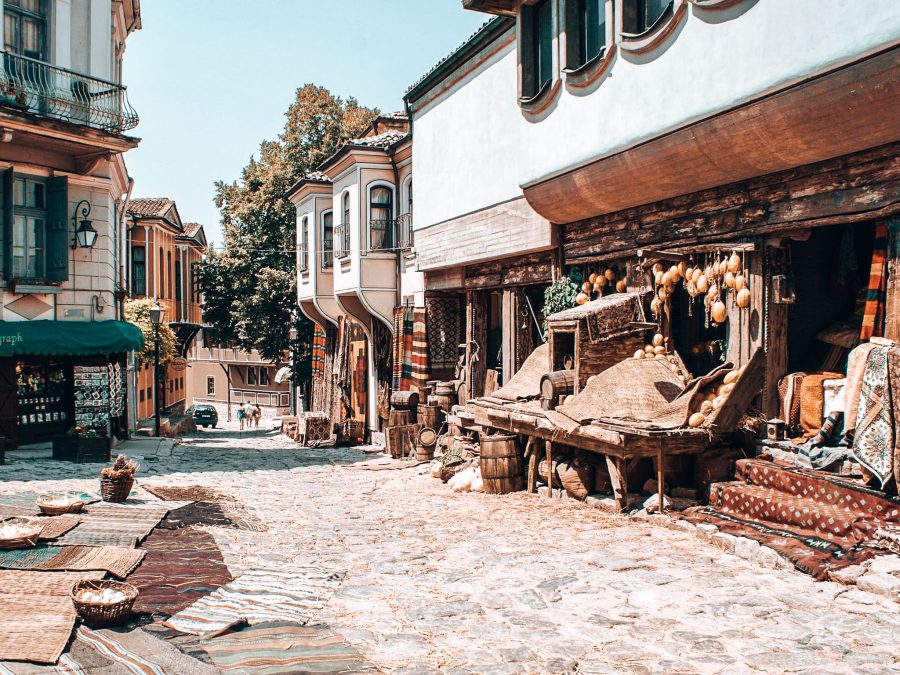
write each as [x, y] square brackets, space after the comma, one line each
[710, 280]
[599, 284]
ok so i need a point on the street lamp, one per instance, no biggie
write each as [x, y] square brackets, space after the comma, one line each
[156, 313]
[85, 235]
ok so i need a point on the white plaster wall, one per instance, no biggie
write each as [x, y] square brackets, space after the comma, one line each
[81, 36]
[101, 39]
[474, 148]
[306, 280]
[347, 279]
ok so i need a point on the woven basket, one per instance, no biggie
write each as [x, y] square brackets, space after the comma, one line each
[27, 540]
[115, 489]
[104, 614]
[51, 510]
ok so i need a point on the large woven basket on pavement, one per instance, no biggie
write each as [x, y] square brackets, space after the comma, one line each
[73, 506]
[103, 613]
[115, 489]
[28, 539]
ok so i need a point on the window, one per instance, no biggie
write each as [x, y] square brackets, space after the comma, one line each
[251, 374]
[640, 15]
[28, 228]
[381, 218]
[160, 285]
[264, 376]
[537, 48]
[178, 280]
[327, 239]
[210, 385]
[585, 31]
[169, 271]
[143, 396]
[24, 28]
[139, 270]
[304, 244]
[344, 244]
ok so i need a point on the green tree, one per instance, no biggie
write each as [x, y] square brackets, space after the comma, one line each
[250, 286]
[137, 311]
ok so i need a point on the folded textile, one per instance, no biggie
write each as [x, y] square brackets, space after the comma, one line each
[259, 596]
[113, 559]
[812, 457]
[812, 403]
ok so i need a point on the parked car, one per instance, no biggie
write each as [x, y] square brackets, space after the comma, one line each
[204, 415]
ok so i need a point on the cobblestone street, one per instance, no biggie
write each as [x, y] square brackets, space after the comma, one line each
[473, 583]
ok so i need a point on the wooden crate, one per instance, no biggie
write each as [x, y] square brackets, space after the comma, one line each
[313, 427]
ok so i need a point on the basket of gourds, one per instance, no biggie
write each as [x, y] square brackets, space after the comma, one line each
[117, 480]
[57, 505]
[103, 603]
[19, 535]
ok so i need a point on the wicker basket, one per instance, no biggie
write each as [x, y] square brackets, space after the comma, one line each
[51, 510]
[115, 489]
[27, 540]
[99, 613]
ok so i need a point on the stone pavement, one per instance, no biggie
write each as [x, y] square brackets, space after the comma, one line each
[440, 582]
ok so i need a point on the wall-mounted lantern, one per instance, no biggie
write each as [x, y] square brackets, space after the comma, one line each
[85, 234]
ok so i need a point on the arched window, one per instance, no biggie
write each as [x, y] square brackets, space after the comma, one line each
[327, 239]
[344, 244]
[640, 15]
[304, 244]
[381, 218]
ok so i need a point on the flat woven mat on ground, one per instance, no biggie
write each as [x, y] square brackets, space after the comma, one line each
[182, 566]
[126, 524]
[36, 614]
[284, 647]
[113, 559]
[52, 527]
[260, 596]
[208, 508]
[24, 503]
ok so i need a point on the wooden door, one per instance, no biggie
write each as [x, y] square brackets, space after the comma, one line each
[8, 403]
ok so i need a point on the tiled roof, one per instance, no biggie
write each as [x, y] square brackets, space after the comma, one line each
[383, 140]
[317, 176]
[191, 229]
[496, 20]
[150, 206]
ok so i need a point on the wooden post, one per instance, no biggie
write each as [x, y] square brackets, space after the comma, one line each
[892, 305]
[510, 310]
[776, 335]
[476, 342]
[549, 447]
[660, 474]
[532, 455]
[615, 478]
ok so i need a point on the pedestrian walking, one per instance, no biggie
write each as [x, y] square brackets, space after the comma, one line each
[240, 416]
[257, 414]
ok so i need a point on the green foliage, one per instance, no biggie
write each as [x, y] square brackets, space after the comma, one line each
[250, 287]
[137, 311]
[560, 295]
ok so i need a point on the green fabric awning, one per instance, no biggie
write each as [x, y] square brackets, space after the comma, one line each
[68, 338]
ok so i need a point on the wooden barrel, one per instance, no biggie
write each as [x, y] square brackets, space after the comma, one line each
[554, 385]
[404, 400]
[400, 440]
[427, 437]
[430, 417]
[501, 465]
[445, 401]
[446, 388]
[400, 418]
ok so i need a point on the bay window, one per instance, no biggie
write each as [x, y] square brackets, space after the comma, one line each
[304, 244]
[537, 47]
[640, 15]
[327, 239]
[585, 31]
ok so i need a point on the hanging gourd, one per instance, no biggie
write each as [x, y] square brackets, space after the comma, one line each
[702, 284]
[593, 277]
[658, 339]
[734, 263]
[740, 282]
[658, 277]
[655, 306]
[610, 274]
[621, 286]
[718, 312]
[729, 279]
[582, 298]
[742, 299]
[674, 274]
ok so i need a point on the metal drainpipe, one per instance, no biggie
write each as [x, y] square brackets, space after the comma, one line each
[125, 254]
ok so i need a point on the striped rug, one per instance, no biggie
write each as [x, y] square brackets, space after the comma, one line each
[285, 647]
[126, 524]
[113, 559]
[260, 596]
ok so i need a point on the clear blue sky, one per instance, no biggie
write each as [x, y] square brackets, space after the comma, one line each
[210, 79]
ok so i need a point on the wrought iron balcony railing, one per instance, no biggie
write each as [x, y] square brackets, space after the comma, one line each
[327, 257]
[343, 240]
[404, 231]
[303, 258]
[43, 89]
[381, 234]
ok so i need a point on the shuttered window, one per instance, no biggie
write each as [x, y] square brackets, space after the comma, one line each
[35, 228]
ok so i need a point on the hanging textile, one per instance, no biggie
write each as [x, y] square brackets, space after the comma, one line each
[873, 441]
[410, 349]
[876, 295]
[444, 332]
[318, 352]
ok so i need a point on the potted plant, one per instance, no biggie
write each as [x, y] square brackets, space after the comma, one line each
[81, 445]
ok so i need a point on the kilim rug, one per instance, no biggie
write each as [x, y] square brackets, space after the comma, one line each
[116, 560]
[817, 521]
[126, 525]
[113, 651]
[260, 596]
[285, 647]
[209, 508]
[183, 564]
[36, 614]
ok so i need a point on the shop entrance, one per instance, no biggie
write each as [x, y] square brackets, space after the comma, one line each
[44, 400]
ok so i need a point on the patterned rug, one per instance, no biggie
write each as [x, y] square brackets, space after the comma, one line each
[126, 524]
[116, 560]
[260, 596]
[285, 647]
[36, 614]
[183, 564]
[817, 521]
